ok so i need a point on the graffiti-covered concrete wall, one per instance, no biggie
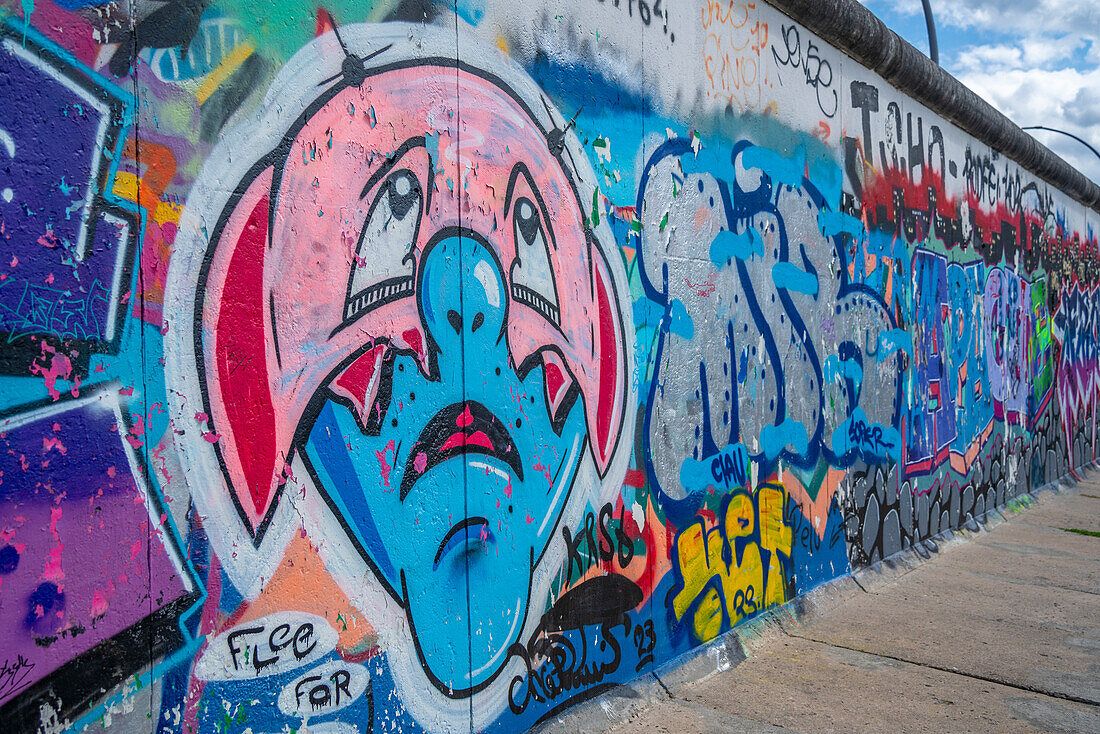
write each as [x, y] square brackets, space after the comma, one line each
[398, 366]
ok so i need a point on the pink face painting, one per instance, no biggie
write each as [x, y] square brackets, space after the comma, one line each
[408, 296]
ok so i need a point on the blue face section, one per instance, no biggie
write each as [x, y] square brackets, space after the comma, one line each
[457, 497]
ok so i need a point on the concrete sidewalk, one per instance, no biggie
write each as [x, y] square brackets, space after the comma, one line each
[999, 631]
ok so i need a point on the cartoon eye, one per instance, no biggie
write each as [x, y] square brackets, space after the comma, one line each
[532, 278]
[383, 267]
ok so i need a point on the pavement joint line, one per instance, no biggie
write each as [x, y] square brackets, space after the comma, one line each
[861, 586]
[963, 673]
[1041, 525]
[661, 683]
[1025, 582]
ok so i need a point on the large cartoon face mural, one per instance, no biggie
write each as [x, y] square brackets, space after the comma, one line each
[415, 214]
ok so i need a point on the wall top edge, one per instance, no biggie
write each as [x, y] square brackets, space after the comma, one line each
[859, 33]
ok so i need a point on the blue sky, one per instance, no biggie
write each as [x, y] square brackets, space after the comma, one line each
[1037, 61]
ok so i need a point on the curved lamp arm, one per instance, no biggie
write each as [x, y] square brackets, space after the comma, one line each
[1056, 130]
[933, 47]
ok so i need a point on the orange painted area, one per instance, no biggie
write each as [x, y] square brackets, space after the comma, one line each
[815, 510]
[962, 462]
[302, 583]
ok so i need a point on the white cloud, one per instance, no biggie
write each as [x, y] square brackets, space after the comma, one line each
[1008, 17]
[1023, 17]
[1027, 53]
[1085, 109]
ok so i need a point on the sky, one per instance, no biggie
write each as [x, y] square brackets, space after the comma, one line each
[1037, 61]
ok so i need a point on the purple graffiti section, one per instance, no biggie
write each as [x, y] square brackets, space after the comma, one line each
[64, 245]
[1076, 329]
[83, 556]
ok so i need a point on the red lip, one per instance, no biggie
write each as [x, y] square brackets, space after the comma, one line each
[459, 440]
[461, 428]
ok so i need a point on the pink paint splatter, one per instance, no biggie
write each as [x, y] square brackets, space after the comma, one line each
[59, 367]
[127, 391]
[200, 417]
[99, 604]
[49, 239]
[539, 467]
[420, 463]
[383, 465]
[134, 441]
[52, 442]
[211, 437]
[53, 571]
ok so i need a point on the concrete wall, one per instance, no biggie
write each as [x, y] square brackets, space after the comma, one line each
[400, 366]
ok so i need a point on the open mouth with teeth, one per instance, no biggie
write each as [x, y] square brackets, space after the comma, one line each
[460, 428]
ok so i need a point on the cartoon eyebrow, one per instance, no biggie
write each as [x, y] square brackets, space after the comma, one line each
[391, 161]
[389, 238]
[520, 169]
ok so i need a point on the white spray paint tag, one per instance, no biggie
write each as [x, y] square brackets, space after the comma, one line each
[324, 689]
[267, 646]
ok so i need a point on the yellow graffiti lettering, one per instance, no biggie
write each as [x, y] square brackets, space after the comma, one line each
[735, 569]
[775, 536]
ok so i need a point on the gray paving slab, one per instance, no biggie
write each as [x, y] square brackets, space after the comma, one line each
[959, 617]
[1040, 540]
[1032, 554]
[678, 716]
[1079, 509]
[809, 686]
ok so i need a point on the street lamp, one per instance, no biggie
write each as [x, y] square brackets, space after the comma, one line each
[933, 47]
[1056, 130]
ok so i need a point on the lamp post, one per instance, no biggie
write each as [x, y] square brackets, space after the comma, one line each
[1070, 135]
[933, 47]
